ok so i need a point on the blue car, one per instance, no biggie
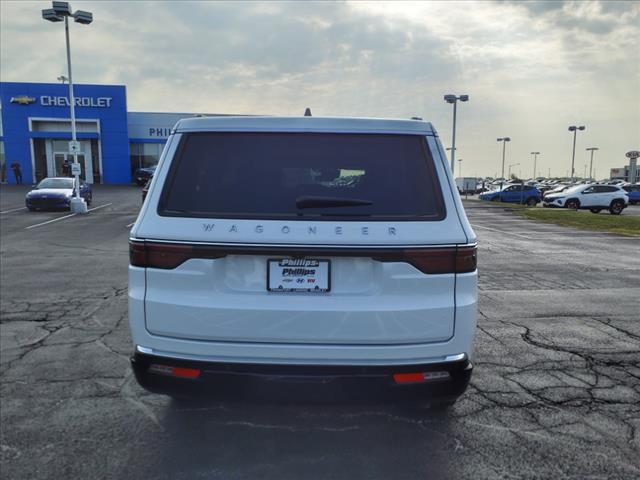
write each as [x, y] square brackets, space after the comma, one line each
[518, 193]
[633, 192]
[56, 192]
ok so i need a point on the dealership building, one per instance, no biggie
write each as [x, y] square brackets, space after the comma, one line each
[35, 130]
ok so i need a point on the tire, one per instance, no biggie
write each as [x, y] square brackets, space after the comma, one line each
[572, 204]
[595, 210]
[89, 199]
[616, 207]
[531, 201]
[31, 209]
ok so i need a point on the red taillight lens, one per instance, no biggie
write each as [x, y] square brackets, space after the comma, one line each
[428, 260]
[167, 255]
[466, 259]
[438, 260]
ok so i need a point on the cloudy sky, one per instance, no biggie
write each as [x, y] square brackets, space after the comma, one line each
[531, 69]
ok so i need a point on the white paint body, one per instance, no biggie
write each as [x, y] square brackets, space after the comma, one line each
[376, 313]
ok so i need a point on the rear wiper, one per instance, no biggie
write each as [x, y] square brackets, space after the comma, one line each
[308, 201]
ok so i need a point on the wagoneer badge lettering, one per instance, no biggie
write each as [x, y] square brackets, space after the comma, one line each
[209, 227]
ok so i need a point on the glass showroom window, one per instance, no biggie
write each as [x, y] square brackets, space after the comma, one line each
[151, 154]
[144, 155]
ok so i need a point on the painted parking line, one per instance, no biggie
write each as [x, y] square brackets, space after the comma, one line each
[50, 221]
[66, 216]
[500, 231]
[98, 208]
[130, 225]
[13, 210]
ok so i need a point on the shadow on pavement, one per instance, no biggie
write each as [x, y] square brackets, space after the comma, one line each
[309, 437]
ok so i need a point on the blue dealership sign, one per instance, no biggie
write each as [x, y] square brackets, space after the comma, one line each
[35, 117]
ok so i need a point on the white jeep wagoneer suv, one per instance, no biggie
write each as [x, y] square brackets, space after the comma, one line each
[307, 247]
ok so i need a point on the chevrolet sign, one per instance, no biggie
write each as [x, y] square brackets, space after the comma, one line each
[51, 101]
[23, 100]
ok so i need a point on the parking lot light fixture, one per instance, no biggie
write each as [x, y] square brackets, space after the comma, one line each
[574, 129]
[62, 11]
[591, 149]
[535, 161]
[450, 98]
[504, 141]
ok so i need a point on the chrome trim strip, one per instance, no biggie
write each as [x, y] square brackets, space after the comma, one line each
[455, 358]
[200, 358]
[303, 245]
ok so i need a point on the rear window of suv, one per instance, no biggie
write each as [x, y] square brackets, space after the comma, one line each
[302, 175]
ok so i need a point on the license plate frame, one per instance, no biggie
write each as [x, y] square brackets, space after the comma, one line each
[320, 278]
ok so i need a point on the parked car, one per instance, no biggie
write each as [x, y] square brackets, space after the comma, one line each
[590, 197]
[313, 247]
[514, 193]
[143, 175]
[56, 192]
[633, 192]
[556, 189]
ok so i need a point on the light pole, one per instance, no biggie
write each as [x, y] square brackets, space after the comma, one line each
[512, 165]
[450, 98]
[62, 11]
[535, 161]
[591, 149]
[460, 166]
[504, 141]
[574, 129]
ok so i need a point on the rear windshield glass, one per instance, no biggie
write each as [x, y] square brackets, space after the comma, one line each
[287, 175]
[62, 183]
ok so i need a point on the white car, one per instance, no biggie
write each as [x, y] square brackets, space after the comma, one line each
[307, 247]
[592, 197]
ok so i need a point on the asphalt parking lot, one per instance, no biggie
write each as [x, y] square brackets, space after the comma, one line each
[555, 391]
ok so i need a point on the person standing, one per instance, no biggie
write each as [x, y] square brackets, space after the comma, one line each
[15, 166]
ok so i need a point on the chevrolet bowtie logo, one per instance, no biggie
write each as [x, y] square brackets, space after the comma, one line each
[23, 100]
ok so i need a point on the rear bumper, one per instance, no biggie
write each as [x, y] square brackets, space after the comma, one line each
[287, 382]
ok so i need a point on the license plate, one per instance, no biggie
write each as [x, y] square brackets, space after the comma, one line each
[298, 275]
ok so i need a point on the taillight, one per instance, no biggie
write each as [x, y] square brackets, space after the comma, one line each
[167, 255]
[466, 259]
[440, 260]
[428, 260]
[437, 260]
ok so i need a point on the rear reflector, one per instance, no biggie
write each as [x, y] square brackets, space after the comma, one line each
[408, 377]
[420, 377]
[174, 371]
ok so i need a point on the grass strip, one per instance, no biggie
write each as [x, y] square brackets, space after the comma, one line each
[600, 222]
